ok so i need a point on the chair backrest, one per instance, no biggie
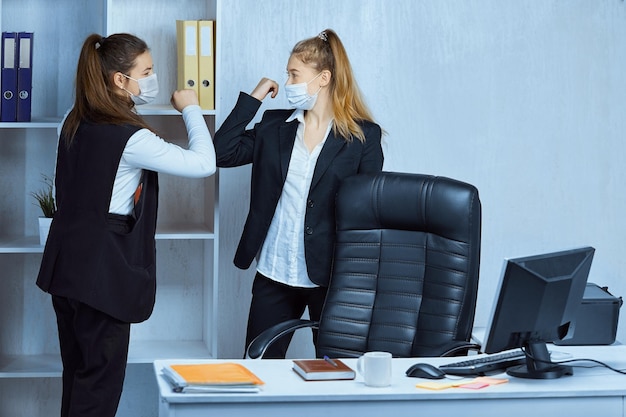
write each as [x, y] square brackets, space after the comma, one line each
[405, 270]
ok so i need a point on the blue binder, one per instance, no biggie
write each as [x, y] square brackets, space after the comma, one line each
[8, 65]
[24, 75]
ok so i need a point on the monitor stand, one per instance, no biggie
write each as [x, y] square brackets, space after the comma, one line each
[538, 364]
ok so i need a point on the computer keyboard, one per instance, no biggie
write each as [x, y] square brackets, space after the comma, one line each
[485, 364]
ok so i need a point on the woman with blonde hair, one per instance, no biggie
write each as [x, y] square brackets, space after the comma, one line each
[299, 157]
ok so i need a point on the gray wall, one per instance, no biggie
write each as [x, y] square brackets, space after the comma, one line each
[525, 99]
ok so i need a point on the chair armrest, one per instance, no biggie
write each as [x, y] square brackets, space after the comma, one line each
[458, 348]
[259, 345]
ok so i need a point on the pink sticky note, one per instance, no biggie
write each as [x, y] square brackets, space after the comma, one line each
[491, 381]
[474, 385]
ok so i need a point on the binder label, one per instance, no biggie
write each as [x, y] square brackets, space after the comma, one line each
[25, 52]
[206, 46]
[9, 53]
[190, 37]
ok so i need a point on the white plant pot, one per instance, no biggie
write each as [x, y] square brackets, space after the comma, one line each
[44, 228]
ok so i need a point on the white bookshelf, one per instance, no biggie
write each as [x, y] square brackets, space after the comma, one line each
[35, 123]
[164, 110]
[183, 324]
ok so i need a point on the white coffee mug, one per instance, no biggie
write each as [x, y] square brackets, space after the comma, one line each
[375, 367]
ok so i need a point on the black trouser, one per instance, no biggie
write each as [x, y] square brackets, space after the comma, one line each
[94, 350]
[273, 303]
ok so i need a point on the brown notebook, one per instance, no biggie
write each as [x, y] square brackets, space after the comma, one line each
[322, 369]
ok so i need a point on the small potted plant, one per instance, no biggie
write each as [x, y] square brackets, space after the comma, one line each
[45, 200]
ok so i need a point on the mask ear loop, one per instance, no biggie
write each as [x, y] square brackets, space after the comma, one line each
[320, 89]
[311, 80]
[129, 93]
[121, 87]
[130, 78]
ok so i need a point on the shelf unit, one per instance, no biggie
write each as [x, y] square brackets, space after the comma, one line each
[183, 323]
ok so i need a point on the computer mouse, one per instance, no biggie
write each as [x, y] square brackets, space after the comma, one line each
[425, 370]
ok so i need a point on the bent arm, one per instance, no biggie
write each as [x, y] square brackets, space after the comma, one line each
[146, 150]
[234, 145]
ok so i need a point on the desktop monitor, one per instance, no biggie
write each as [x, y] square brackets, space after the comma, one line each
[536, 305]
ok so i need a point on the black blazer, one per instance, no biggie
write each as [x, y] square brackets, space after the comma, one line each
[268, 147]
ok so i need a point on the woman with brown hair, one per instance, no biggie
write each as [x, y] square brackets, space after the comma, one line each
[99, 259]
[299, 157]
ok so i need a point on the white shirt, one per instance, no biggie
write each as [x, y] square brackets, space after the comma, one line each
[282, 255]
[146, 150]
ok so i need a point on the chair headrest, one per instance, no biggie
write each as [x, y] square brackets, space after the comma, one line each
[392, 200]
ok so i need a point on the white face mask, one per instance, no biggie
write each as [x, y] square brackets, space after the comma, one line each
[299, 97]
[148, 89]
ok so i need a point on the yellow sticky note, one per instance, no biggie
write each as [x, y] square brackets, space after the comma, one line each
[435, 385]
[443, 384]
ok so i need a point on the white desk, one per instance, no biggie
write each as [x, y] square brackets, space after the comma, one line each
[596, 391]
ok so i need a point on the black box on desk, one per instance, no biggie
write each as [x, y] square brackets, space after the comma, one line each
[596, 318]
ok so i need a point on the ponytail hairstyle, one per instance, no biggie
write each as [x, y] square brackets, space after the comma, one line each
[326, 52]
[97, 98]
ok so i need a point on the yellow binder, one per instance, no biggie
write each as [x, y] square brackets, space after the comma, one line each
[206, 61]
[187, 52]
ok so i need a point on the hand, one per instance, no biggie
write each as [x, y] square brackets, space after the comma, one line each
[183, 98]
[264, 87]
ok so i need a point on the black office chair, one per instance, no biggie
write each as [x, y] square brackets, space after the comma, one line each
[405, 271]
